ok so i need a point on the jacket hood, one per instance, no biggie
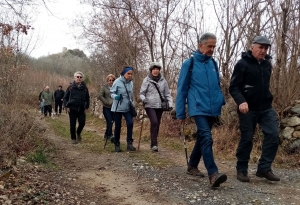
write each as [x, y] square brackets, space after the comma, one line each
[123, 79]
[201, 57]
[82, 84]
[248, 54]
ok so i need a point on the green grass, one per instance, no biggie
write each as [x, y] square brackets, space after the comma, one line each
[39, 155]
[91, 140]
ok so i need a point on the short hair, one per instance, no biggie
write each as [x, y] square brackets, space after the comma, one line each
[206, 36]
[110, 76]
[78, 72]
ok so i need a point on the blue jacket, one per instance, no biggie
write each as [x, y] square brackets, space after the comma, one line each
[119, 88]
[200, 89]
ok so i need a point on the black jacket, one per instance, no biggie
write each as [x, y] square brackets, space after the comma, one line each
[250, 82]
[77, 98]
[59, 94]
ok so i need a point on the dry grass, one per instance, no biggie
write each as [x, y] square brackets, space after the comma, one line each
[19, 134]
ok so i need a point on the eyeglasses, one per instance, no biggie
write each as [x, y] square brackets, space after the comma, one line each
[79, 76]
[111, 80]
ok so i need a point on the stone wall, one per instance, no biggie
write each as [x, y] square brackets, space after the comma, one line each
[290, 129]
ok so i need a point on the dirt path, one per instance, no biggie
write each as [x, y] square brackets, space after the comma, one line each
[87, 177]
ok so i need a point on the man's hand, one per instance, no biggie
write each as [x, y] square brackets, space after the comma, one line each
[85, 110]
[244, 108]
[68, 110]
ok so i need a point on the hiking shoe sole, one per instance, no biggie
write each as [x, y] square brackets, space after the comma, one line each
[221, 179]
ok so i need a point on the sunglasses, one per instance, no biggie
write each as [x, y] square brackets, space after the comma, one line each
[111, 80]
[79, 76]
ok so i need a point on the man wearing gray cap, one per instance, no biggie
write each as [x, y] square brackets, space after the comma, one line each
[249, 87]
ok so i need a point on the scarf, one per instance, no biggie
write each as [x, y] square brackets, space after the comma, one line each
[155, 78]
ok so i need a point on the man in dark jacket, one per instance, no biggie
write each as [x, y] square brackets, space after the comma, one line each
[249, 87]
[59, 98]
[76, 101]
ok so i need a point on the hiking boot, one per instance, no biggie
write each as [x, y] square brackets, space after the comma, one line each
[117, 148]
[105, 136]
[154, 149]
[269, 175]
[78, 137]
[194, 171]
[242, 176]
[216, 179]
[74, 142]
[130, 147]
[112, 139]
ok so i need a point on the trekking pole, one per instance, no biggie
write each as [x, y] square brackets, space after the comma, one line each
[112, 122]
[184, 143]
[141, 130]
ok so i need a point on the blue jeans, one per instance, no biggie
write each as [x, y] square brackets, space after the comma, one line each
[118, 125]
[203, 145]
[108, 115]
[268, 122]
[42, 107]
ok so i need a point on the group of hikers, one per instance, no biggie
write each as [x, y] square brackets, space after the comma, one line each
[199, 90]
[46, 99]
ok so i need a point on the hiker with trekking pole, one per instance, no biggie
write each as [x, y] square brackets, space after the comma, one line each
[156, 98]
[107, 101]
[199, 87]
[122, 95]
[48, 99]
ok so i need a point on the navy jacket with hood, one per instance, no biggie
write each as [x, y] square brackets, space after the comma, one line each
[250, 82]
[77, 98]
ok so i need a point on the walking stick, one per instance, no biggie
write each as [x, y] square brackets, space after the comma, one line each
[112, 122]
[184, 143]
[141, 130]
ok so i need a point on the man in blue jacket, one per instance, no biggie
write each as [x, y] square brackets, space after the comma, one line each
[249, 87]
[199, 86]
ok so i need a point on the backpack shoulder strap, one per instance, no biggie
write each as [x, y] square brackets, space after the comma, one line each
[191, 69]
[192, 66]
[161, 98]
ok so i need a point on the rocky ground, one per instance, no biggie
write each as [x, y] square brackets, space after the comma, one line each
[84, 177]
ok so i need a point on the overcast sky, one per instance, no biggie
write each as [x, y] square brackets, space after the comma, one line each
[54, 30]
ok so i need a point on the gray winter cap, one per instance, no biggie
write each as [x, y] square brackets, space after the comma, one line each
[154, 65]
[261, 40]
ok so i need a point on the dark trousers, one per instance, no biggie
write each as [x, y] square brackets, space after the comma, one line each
[108, 115]
[118, 125]
[58, 104]
[73, 116]
[154, 117]
[268, 122]
[203, 145]
[47, 109]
